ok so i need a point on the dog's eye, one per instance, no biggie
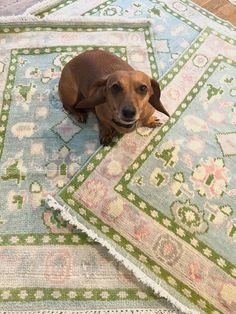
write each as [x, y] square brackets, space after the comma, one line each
[142, 89]
[116, 88]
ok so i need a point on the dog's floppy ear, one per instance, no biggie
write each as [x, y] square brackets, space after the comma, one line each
[155, 98]
[97, 95]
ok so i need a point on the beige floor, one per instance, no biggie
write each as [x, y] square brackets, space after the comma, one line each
[222, 8]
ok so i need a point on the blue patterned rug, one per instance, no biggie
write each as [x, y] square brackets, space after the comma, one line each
[42, 148]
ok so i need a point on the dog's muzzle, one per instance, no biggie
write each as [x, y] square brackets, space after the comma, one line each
[124, 125]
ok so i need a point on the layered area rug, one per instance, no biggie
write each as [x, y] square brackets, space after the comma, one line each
[164, 204]
[175, 186]
[175, 23]
[46, 264]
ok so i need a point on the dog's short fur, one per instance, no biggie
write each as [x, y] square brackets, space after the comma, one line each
[120, 96]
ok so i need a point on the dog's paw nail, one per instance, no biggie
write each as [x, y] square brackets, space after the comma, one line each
[82, 118]
[105, 140]
[154, 123]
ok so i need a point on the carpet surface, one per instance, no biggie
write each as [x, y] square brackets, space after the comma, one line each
[15, 7]
[191, 166]
[46, 264]
[187, 20]
[164, 204]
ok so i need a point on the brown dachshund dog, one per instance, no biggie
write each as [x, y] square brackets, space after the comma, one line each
[120, 96]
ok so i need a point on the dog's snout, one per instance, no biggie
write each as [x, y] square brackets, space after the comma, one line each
[129, 111]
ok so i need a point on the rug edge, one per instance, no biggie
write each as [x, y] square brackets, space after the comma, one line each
[81, 20]
[99, 311]
[142, 277]
[36, 8]
[216, 16]
[41, 6]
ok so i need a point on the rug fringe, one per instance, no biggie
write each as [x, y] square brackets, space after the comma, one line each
[97, 20]
[79, 21]
[18, 19]
[102, 311]
[41, 6]
[66, 215]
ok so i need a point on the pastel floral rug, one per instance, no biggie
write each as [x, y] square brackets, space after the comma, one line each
[159, 202]
[187, 20]
[164, 204]
[45, 263]
[181, 247]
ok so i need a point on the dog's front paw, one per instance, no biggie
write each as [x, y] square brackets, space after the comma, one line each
[106, 139]
[82, 116]
[153, 122]
[105, 133]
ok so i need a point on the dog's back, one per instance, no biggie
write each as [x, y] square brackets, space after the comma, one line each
[95, 64]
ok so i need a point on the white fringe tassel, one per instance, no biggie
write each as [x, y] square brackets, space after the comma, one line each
[41, 6]
[106, 20]
[79, 21]
[21, 19]
[65, 212]
[102, 311]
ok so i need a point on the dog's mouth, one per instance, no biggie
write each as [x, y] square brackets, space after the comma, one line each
[125, 124]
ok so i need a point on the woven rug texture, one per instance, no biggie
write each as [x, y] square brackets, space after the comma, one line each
[162, 201]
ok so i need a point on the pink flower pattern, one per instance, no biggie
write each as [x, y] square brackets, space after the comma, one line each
[210, 178]
[93, 192]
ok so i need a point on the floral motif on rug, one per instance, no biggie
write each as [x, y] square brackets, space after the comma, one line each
[169, 210]
[47, 263]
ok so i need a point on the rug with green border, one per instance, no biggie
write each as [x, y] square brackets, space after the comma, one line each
[164, 204]
[45, 263]
[176, 23]
[38, 226]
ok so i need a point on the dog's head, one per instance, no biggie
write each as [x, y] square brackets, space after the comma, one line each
[127, 93]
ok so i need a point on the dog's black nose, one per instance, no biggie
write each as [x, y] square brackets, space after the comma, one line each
[129, 111]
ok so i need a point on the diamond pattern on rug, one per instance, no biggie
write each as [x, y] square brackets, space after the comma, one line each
[227, 143]
[66, 129]
[162, 45]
